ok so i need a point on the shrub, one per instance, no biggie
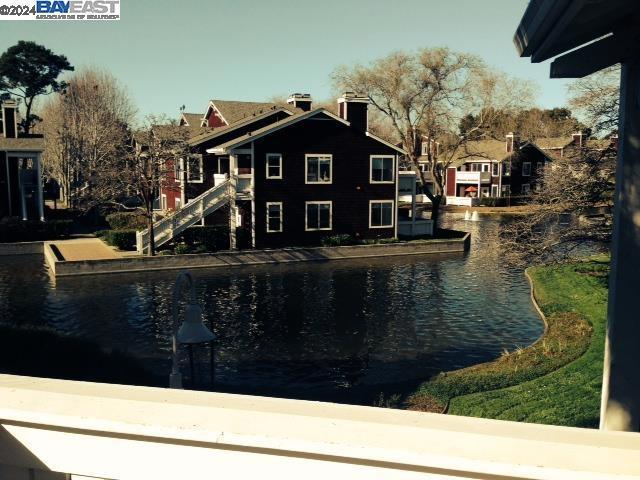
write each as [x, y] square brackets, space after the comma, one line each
[122, 239]
[14, 229]
[127, 221]
[209, 238]
[181, 249]
[338, 240]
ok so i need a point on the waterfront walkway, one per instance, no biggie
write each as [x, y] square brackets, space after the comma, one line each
[85, 249]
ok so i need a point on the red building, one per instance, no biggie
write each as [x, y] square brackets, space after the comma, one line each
[491, 168]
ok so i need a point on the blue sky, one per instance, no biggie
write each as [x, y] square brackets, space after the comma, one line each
[169, 52]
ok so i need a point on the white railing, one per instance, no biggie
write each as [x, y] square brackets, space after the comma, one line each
[463, 201]
[198, 208]
[124, 432]
[473, 177]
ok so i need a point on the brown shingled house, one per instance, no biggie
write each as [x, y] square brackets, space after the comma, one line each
[21, 192]
[287, 175]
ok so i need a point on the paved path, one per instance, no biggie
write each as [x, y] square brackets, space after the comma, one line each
[85, 249]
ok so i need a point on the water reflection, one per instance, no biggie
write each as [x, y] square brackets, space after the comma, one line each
[342, 331]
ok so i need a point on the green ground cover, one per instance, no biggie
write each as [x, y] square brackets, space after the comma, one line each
[555, 381]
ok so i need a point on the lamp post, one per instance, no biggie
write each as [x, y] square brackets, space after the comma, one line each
[191, 331]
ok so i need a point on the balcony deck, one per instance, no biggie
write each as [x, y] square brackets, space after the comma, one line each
[125, 432]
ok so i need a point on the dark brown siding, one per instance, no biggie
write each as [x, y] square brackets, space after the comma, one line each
[350, 191]
[4, 185]
[10, 123]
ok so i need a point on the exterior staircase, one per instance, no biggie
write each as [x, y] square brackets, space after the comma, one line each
[194, 211]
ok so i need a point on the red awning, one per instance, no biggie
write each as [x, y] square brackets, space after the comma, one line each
[471, 189]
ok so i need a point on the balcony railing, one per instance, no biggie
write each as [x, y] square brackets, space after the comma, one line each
[475, 177]
[118, 431]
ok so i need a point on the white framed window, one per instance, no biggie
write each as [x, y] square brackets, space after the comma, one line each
[318, 168]
[274, 166]
[506, 168]
[539, 168]
[195, 172]
[177, 169]
[526, 189]
[495, 169]
[163, 202]
[381, 168]
[425, 148]
[318, 215]
[274, 217]
[485, 167]
[495, 191]
[526, 169]
[505, 190]
[381, 213]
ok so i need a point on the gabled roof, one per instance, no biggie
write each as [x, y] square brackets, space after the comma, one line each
[251, 136]
[192, 119]
[480, 150]
[22, 144]
[233, 111]
[210, 134]
[546, 143]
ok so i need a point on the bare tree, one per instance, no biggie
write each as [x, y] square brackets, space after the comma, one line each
[424, 95]
[86, 128]
[571, 209]
[158, 151]
[597, 97]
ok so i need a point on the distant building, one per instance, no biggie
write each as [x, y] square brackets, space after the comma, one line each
[21, 192]
[491, 168]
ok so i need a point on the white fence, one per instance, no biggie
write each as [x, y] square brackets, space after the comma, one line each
[122, 432]
[463, 201]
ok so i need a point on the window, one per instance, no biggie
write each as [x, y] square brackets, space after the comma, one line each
[381, 213]
[195, 172]
[274, 217]
[526, 189]
[505, 190]
[526, 169]
[178, 204]
[425, 148]
[177, 169]
[318, 168]
[163, 202]
[506, 168]
[495, 169]
[539, 168]
[381, 169]
[484, 191]
[485, 167]
[318, 215]
[274, 165]
[495, 191]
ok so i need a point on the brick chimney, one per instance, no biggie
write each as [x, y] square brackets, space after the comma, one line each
[513, 142]
[300, 100]
[9, 119]
[353, 107]
[579, 139]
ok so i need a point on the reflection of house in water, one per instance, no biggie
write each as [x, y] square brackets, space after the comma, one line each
[20, 168]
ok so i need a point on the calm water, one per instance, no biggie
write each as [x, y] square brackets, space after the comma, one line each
[342, 331]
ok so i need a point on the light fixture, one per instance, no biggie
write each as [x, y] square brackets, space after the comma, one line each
[192, 330]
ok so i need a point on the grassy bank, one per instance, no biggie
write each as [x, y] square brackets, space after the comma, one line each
[555, 381]
[41, 352]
